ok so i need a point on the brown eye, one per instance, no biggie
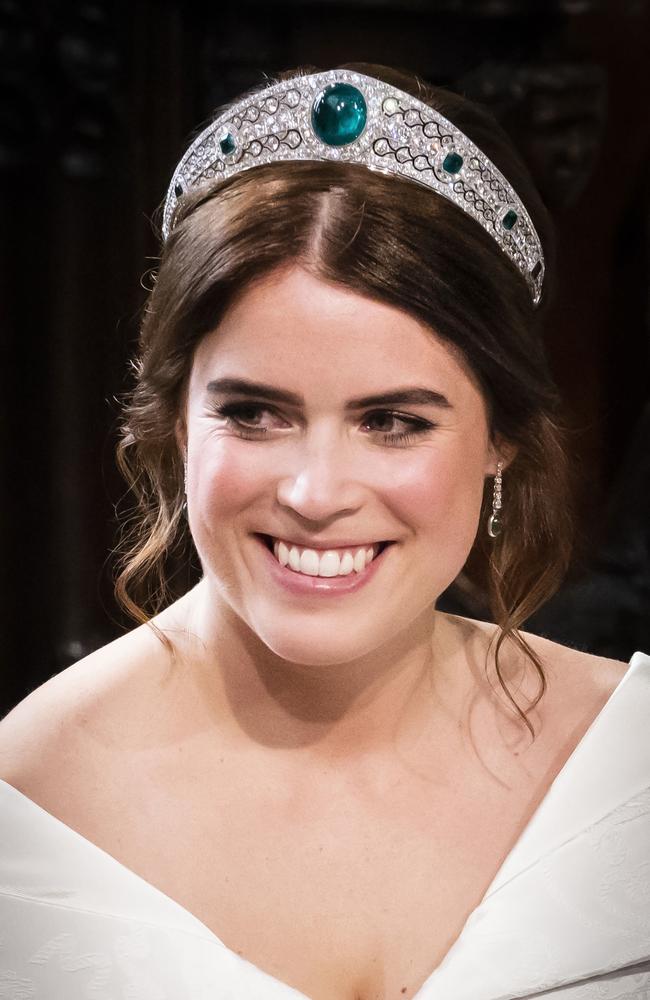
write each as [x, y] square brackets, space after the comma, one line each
[414, 426]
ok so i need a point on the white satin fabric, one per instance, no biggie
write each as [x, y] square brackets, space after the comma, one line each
[567, 917]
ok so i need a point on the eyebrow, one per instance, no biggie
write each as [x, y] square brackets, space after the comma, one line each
[404, 394]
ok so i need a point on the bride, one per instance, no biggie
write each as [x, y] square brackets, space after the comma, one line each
[301, 779]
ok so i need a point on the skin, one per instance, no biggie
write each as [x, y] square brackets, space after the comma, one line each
[339, 776]
[335, 676]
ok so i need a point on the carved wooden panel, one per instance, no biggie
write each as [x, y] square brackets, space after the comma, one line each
[97, 100]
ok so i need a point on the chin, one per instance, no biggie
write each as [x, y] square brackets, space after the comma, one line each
[315, 643]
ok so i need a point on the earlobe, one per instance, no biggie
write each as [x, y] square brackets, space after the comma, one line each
[501, 451]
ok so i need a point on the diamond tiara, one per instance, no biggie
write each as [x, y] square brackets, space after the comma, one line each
[347, 117]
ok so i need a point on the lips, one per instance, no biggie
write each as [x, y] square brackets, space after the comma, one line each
[306, 586]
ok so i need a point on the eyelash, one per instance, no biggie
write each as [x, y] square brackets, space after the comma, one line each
[231, 413]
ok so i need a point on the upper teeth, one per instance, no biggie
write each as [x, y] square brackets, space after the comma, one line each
[331, 562]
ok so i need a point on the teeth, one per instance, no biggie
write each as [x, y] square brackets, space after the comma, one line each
[294, 559]
[329, 563]
[346, 564]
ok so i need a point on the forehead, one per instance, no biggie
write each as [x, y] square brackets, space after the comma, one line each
[292, 327]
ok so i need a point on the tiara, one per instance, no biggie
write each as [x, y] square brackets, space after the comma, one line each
[347, 117]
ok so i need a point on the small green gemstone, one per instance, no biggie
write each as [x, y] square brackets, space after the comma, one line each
[452, 163]
[227, 144]
[509, 219]
[495, 525]
[339, 114]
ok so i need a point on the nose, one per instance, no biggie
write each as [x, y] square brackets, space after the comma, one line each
[321, 482]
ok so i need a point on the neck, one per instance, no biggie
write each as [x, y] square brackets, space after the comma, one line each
[378, 704]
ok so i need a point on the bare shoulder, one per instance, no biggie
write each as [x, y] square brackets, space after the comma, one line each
[579, 670]
[573, 677]
[54, 725]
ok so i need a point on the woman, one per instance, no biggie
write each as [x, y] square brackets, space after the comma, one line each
[300, 779]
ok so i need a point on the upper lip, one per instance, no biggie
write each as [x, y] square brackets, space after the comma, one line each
[330, 543]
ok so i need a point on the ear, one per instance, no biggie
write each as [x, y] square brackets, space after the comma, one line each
[180, 433]
[500, 451]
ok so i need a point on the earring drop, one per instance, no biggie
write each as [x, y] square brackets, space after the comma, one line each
[495, 524]
[184, 508]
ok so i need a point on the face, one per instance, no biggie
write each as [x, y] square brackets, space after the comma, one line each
[321, 469]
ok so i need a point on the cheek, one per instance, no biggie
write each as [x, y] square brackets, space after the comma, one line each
[435, 491]
[228, 479]
[440, 494]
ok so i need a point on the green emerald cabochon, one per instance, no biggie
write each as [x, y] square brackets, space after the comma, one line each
[339, 114]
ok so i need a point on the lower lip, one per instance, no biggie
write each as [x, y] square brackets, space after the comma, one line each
[301, 583]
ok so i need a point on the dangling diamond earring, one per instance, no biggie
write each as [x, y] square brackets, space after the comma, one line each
[185, 487]
[495, 523]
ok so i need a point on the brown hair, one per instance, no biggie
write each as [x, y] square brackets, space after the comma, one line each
[394, 241]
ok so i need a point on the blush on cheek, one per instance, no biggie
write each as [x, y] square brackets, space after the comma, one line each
[422, 489]
[226, 484]
[440, 498]
[229, 480]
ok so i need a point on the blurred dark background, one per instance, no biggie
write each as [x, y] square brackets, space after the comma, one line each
[97, 102]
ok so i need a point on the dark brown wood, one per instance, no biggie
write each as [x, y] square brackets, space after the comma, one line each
[97, 101]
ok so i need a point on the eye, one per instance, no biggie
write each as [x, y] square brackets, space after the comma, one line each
[415, 426]
[242, 417]
[243, 412]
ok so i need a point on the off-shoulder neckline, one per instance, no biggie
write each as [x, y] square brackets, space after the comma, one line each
[637, 660]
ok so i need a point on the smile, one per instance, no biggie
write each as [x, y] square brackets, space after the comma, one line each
[308, 570]
[325, 562]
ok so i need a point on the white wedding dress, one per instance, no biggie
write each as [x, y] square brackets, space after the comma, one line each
[566, 917]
